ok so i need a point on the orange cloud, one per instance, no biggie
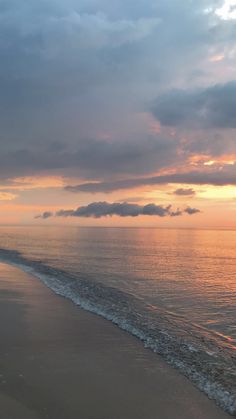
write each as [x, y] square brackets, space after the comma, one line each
[7, 196]
[35, 182]
[208, 160]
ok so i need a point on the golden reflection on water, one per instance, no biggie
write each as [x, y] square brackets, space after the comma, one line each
[191, 273]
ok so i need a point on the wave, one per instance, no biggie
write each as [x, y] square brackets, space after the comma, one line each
[205, 357]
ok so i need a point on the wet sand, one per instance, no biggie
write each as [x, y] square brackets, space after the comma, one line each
[60, 362]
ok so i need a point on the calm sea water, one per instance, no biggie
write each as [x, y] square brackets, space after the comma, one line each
[174, 289]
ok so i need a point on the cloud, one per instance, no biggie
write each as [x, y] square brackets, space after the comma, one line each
[212, 107]
[104, 209]
[216, 178]
[51, 50]
[7, 196]
[184, 192]
[45, 215]
[72, 69]
[92, 158]
[191, 211]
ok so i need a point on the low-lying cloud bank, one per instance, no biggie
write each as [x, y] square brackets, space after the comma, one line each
[216, 178]
[104, 209]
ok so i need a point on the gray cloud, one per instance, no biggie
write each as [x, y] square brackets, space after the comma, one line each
[92, 158]
[217, 178]
[104, 209]
[44, 215]
[71, 70]
[191, 211]
[184, 192]
[213, 107]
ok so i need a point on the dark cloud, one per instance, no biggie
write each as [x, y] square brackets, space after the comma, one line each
[92, 158]
[191, 211]
[213, 107]
[184, 192]
[45, 215]
[56, 50]
[216, 178]
[71, 70]
[104, 209]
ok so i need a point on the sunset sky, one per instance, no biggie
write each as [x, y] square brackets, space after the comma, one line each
[118, 102]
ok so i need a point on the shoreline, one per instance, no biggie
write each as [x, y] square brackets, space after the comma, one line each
[111, 304]
[60, 361]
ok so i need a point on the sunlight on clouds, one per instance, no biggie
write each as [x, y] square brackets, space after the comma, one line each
[207, 160]
[203, 192]
[228, 10]
[218, 193]
[145, 95]
[198, 159]
[213, 162]
[36, 182]
[220, 161]
[217, 58]
[7, 196]
[209, 163]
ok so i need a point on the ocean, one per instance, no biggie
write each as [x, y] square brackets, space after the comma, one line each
[173, 289]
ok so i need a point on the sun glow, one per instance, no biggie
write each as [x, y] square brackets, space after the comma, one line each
[218, 193]
[228, 10]
[7, 196]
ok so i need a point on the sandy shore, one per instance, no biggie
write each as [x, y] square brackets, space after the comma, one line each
[60, 362]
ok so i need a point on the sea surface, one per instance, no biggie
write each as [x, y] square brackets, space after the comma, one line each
[173, 289]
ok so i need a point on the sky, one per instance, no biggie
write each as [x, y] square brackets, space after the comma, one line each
[118, 112]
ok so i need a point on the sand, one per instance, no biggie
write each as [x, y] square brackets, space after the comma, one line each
[58, 361]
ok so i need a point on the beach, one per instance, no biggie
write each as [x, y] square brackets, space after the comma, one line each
[59, 361]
